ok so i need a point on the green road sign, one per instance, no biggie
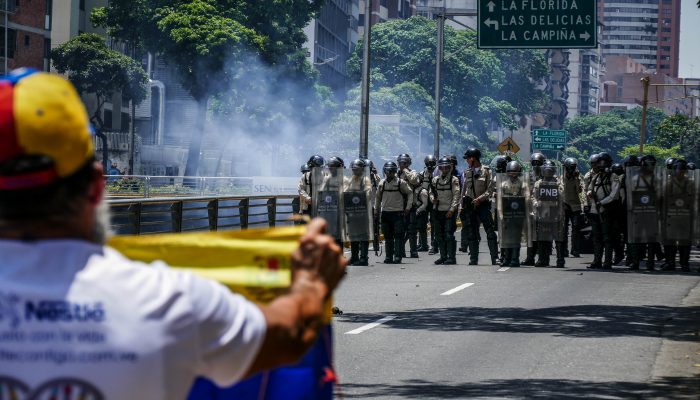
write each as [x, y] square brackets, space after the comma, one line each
[545, 139]
[539, 24]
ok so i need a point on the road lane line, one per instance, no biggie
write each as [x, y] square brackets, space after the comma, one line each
[457, 289]
[503, 269]
[370, 326]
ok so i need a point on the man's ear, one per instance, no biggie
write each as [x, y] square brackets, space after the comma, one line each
[96, 190]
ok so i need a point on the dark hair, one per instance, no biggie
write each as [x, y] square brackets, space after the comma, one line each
[57, 200]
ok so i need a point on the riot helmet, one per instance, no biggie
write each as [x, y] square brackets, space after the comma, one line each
[336, 162]
[570, 164]
[472, 152]
[430, 162]
[316, 161]
[500, 162]
[514, 169]
[617, 169]
[648, 161]
[691, 166]
[453, 159]
[358, 167]
[604, 160]
[305, 168]
[370, 164]
[445, 165]
[549, 169]
[390, 167]
[670, 161]
[630, 161]
[404, 160]
[537, 159]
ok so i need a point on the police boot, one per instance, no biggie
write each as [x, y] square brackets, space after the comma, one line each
[363, 260]
[400, 250]
[402, 247]
[633, 256]
[451, 252]
[473, 252]
[514, 257]
[651, 251]
[423, 241]
[684, 257]
[530, 256]
[354, 250]
[608, 261]
[413, 246]
[670, 264]
[505, 257]
[493, 249]
[389, 250]
[560, 248]
[543, 249]
[442, 246]
[598, 251]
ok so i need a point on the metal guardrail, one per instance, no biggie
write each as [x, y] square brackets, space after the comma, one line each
[179, 214]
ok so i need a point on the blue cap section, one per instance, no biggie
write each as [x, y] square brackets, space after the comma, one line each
[18, 74]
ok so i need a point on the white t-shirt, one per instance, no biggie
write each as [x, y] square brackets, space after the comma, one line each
[78, 318]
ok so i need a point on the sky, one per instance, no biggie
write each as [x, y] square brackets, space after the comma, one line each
[690, 38]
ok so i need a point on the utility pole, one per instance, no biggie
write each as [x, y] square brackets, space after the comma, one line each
[438, 70]
[645, 104]
[364, 112]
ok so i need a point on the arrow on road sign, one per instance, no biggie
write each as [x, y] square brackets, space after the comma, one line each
[491, 5]
[508, 145]
[490, 23]
[585, 36]
[538, 139]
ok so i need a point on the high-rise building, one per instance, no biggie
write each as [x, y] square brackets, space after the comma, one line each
[648, 31]
[25, 34]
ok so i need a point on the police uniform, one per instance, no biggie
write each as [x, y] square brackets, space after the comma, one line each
[394, 200]
[548, 222]
[359, 249]
[573, 210]
[478, 183]
[423, 218]
[410, 235]
[604, 189]
[305, 189]
[445, 192]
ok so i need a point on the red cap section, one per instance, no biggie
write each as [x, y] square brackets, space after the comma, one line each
[9, 147]
[28, 180]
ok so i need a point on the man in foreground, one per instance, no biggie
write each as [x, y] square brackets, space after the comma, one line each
[73, 310]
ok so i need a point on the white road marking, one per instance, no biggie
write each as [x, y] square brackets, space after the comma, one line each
[502, 269]
[457, 289]
[370, 326]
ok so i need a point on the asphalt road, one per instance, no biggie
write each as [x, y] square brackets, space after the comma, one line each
[459, 331]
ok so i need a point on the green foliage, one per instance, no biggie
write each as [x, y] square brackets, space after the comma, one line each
[610, 132]
[95, 68]
[660, 153]
[479, 87]
[682, 132]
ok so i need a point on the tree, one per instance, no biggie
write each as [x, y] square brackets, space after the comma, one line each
[478, 86]
[94, 68]
[660, 153]
[682, 132]
[211, 42]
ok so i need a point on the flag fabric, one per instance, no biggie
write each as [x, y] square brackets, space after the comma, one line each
[255, 263]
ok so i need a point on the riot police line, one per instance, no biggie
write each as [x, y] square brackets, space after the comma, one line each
[637, 212]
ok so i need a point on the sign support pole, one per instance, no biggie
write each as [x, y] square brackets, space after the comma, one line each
[364, 114]
[645, 104]
[438, 68]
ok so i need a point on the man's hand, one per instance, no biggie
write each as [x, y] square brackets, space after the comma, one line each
[450, 214]
[406, 212]
[476, 202]
[319, 255]
[308, 201]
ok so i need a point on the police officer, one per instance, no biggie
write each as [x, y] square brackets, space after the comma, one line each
[642, 185]
[334, 181]
[306, 185]
[619, 217]
[477, 189]
[359, 182]
[627, 162]
[536, 162]
[679, 198]
[514, 189]
[445, 197]
[394, 202]
[425, 216]
[603, 192]
[374, 179]
[500, 163]
[573, 206]
[548, 202]
[413, 179]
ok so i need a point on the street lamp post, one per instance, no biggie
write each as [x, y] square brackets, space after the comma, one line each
[364, 114]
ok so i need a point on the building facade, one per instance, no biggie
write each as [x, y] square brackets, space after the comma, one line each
[25, 34]
[648, 31]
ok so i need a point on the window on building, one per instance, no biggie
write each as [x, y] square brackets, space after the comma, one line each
[125, 122]
[82, 5]
[26, 40]
[11, 43]
[47, 17]
[107, 120]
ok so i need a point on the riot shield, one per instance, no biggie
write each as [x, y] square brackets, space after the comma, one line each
[327, 199]
[696, 213]
[644, 188]
[548, 207]
[678, 203]
[512, 208]
[357, 201]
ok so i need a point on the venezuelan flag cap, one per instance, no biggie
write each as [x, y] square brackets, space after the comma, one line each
[45, 133]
